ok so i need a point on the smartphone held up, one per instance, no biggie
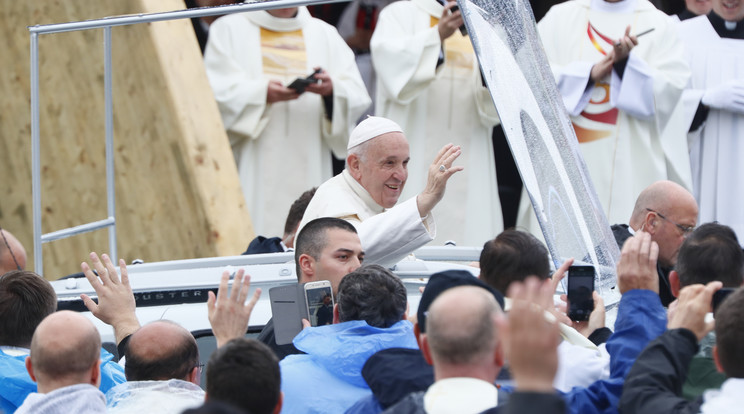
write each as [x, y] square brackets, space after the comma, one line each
[580, 290]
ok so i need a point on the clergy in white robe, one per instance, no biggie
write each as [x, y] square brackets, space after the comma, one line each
[622, 118]
[282, 148]
[715, 48]
[435, 91]
[367, 191]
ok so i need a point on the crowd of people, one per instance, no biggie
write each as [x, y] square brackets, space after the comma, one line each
[640, 87]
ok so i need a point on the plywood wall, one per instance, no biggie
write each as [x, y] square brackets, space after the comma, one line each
[177, 190]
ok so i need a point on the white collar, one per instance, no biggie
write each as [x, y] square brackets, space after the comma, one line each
[622, 6]
[460, 395]
[264, 19]
[362, 193]
[14, 350]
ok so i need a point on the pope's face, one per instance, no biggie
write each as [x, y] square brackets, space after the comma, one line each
[384, 169]
[699, 7]
[729, 10]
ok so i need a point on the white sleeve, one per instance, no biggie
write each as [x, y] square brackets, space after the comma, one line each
[634, 93]
[239, 91]
[405, 61]
[389, 237]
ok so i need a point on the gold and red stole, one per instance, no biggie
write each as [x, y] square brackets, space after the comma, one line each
[599, 118]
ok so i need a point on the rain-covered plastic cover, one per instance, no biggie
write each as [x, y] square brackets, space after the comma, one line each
[541, 137]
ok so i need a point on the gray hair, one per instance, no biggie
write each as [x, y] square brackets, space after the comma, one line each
[460, 326]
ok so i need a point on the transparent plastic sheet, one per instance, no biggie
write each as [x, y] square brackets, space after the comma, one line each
[541, 137]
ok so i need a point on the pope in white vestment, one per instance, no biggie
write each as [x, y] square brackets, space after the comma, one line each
[439, 99]
[716, 147]
[622, 120]
[367, 191]
[283, 148]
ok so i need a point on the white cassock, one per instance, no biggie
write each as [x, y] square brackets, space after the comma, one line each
[387, 236]
[281, 149]
[435, 106]
[622, 124]
[717, 148]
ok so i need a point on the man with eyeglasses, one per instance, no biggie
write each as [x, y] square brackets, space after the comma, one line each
[668, 212]
[12, 253]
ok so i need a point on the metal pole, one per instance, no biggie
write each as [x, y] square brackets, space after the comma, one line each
[110, 182]
[173, 15]
[35, 155]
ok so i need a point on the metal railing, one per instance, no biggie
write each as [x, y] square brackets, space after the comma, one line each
[106, 24]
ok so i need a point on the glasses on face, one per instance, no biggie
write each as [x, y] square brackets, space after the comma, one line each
[10, 250]
[686, 230]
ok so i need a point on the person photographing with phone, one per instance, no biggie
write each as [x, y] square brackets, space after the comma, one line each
[277, 131]
[711, 253]
[370, 315]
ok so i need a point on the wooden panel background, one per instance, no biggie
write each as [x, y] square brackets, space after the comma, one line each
[177, 190]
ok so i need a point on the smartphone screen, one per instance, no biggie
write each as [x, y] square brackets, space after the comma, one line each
[580, 289]
[719, 296]
[319, 299]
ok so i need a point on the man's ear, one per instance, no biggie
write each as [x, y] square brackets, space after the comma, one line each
[498, 357]
[674, 283]
[424, 345]
[278, 407]
[417, 333]
[715, 359]
[95, 374]
[335, 314]
[30, 369]
[307, 267]
[194, 376]
[353, 164]
[650, 223]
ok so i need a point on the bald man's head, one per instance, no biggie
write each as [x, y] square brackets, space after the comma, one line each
[159, 351]
[461, 326]
[64, 349]
[668, 212]
[12, 253]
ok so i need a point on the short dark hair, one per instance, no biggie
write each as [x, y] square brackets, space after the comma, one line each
[176, 364]
[297, 210]
[216, 407]
[244, 373]
[312, 239]
[25, 300]
[711, 252]
[372, 294]
[513, 256]
[730, 334]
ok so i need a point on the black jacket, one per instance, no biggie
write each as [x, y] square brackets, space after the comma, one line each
[267, 337]
[654, 383]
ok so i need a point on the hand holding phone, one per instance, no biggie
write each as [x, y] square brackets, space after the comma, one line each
[300, 84]
[580, 289]
[463, 29]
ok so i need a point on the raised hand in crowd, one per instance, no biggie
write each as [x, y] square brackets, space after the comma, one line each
[229, 314]
[637, 266]
[693, 304]
[116, 305]
[530, 341]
